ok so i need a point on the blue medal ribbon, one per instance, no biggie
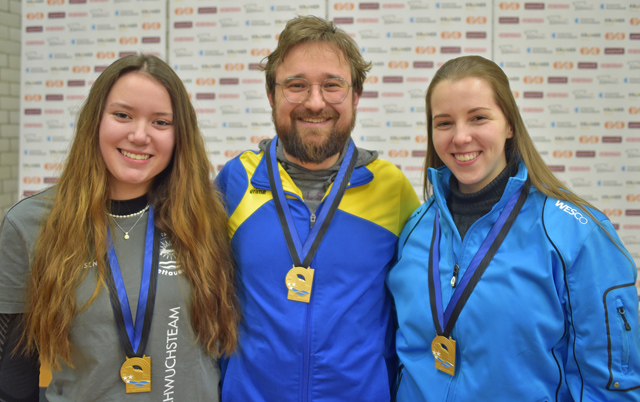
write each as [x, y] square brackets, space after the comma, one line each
[444, 321]
[134, 338]
[296, 248]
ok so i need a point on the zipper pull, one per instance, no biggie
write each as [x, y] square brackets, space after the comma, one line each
[454, 279]
[313, 219]
[626, 323]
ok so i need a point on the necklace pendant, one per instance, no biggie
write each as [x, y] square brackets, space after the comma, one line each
[126, 236]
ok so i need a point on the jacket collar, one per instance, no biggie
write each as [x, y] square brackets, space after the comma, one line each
[260, 178]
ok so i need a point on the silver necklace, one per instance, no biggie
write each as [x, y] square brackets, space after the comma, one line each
[126, 232]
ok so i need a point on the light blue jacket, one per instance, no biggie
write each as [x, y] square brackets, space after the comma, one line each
[553, 318]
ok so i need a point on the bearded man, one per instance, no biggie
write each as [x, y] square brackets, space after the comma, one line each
[314, 223]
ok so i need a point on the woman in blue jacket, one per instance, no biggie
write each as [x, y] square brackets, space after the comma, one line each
[508, 286]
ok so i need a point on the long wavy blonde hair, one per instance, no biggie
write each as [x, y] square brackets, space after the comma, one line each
[186, 207]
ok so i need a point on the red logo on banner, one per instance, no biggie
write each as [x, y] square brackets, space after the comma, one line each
[425, 49]
[32, 180]
[615, 125]
[516, 94]
[371, 80]
[589, 50]
[128, 40]
[183, 11]
[509, 5]
[234, 66]
[106, 55]
[421, 139]
[35, 16]
[451, 35]
[260, 52]
[33, 98]
[343, 6]
[398, 153]
[205, 81]
[589, 139]
[232, 154]
[151, 25]
[533, 79]
[563, 65]
[634, 21]
[562, 154]
[633, 197]
[476, 20]
[55, 2]
[81, 69]
[634, 110]
[614, 36]
[399, 64]
[612, 212]
[54, 83]
[53, 166]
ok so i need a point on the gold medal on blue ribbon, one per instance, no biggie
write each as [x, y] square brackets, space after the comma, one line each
[299, 279]
[136, 373]
[299, 282]
[444, 354]
[136, 370]
[443, 347]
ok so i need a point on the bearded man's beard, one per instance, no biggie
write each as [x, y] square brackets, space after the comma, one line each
[310, 151]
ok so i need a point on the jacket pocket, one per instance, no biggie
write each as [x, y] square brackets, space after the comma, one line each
[623, 346]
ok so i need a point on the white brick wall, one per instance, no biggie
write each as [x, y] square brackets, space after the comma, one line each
[10, 32]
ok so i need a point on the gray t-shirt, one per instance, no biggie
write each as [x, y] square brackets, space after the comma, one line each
[180, 369]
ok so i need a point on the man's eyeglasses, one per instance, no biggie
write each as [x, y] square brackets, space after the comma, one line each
[297, 90]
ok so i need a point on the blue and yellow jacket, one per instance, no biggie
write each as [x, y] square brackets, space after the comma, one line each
[338, 347]
[553, 318]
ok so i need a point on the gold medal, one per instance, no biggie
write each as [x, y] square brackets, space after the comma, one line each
[444, 353]
[136, 373]
[299, 281]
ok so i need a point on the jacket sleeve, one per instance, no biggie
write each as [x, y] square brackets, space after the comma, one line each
[603, 361]
[19, 373]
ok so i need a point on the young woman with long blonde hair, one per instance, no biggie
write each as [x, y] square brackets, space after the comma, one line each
[120, 277]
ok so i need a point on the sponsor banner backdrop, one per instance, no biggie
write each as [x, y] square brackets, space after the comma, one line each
[66, 44]
[217, 49]
[574, 68]
[407, 41]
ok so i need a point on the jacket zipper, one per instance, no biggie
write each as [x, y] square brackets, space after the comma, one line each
[454, 278]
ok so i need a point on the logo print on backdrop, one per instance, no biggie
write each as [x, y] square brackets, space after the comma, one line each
[54, 83]
[105, 55]
[633, 197]
[425, 49]
[151, 25]
[509, 5]
[128, 40]
[531, 79]
[562, 154]
[615, 36]
[183, 11]
[205, 81]
[343, 6]
[451, 35]
[612, 212]
[399, 64]
[589, 139]
[563, 65]
[477, 20]
[260, 52]
[614, 125]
